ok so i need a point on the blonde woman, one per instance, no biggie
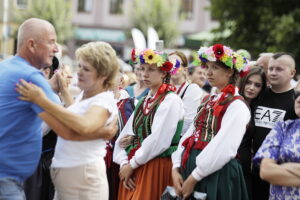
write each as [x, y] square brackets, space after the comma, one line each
[78, 168]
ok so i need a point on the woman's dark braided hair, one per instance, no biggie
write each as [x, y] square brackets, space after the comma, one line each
[167, 78]
[166, 81]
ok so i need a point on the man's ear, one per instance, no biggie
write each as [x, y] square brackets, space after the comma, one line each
[293, 72]
[31, 45]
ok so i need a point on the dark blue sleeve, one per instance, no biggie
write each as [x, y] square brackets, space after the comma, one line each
[38, 79]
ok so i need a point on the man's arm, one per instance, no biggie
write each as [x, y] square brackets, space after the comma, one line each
[106, 132]
[93, 119]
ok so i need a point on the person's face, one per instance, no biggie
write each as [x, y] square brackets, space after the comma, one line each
[198, 76]
[137, 71]
[279, 72]
[181, 72]
[152, 75]
[297, 104]
[88, 78]
[253, 86]
[46, 47]
[217, 76]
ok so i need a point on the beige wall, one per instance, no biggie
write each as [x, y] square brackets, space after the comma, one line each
[100, 17]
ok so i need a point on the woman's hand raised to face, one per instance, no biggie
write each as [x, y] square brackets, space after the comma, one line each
[64, 77]
[30, 92]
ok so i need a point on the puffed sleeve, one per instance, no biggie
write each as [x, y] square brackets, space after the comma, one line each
[163, 128]
[223, 147]
[176, 156]
[191, 101]
[106, 100]
[119, 154]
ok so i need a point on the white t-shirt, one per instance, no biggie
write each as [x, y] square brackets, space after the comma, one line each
[74, 153]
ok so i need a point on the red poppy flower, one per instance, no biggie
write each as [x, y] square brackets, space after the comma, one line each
[167, 66]
[133, 55]
[245, 72]
[218, 50]
[229, 89]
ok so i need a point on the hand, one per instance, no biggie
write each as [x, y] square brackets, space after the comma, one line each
[63, 81]
[54, 83]
[178, 181]
[30, 92]
[129, 184]
[125, 175]
[126, 141]
[188, 187]
[111, 129]
[64, 77]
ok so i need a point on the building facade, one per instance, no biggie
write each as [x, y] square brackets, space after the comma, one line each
[106, 20]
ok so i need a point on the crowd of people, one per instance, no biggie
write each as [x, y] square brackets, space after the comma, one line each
[225, 126]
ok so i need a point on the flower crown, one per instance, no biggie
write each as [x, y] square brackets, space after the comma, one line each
[224, 54]
[149, 56]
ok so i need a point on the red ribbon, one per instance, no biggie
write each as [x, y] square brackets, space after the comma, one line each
[188, 144]
[229, 89]
[108, 157]
[166, 88]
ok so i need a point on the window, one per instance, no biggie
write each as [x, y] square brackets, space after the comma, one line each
[84, 5]
[21, 4]
[116, 7]
[186, 9]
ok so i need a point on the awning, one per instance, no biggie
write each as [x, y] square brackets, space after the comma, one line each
[92, 34]
[203, 38]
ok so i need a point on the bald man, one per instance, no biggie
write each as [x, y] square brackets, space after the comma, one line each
[277, 104]
[20, 126]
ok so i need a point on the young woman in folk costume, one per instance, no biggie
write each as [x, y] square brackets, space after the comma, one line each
[190, 93]
[205, 160]
[156, 125]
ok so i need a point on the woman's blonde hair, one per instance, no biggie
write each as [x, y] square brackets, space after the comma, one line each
[103, 58]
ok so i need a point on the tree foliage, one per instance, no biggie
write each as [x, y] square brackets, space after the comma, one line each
[259, 26]
[162, 15]
[57, 12]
